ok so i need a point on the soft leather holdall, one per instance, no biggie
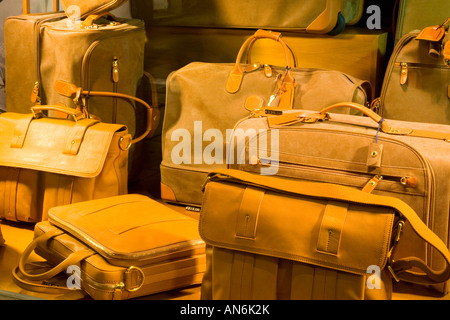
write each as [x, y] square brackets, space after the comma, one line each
[123, 247]
[47, 162]
[405, 160]
[204, 101]
[416, 86]
[289, 239]
[312, 16]
[99, 53]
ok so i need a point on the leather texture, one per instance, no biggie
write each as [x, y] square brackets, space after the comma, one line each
[150, 249]
[90, 7]
[47, 162]
[54, 48]
[203, 96]
[309, 15]
[417, 79]
[405, 160]
[289, 239]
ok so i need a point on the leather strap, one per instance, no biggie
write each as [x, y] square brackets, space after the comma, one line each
[295, 117]
[76, 136]
[402, 267]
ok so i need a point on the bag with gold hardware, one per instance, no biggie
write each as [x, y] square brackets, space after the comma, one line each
[100, 53]
[204, 100]
[416, 86]
[47, 162]
[285, 239]
[116, 256]
[405, 160]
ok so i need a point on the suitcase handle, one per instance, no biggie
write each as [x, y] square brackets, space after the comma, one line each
[237, 73]
[250, 47]
[72, 91]
[26, 6]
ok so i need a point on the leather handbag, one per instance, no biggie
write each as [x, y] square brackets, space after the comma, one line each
[208, 98]
[416, 86]
[150, 249]
[47, 161]
[289, 239]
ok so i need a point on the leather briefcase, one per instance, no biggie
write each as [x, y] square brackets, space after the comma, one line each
[288, 239]
[122, 247]
[405, 160]
[204, 99]
[416, 86]
[99, 53]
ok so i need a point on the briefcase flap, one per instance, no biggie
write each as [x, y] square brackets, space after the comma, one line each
[130, 229]
[84, 8]
[286, 219]
[62, 146]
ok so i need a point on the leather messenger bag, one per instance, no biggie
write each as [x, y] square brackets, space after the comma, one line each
[287, 239]
[47, 162]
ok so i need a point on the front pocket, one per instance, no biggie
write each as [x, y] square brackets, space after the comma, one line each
[20, 196]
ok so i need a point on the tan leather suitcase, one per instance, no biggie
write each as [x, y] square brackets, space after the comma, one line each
[312, 16]
[105, 55]
[406, 160]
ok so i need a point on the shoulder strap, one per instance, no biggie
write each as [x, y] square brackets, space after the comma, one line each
[402, 267]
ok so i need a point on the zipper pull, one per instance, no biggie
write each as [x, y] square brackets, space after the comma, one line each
[372, 184]
[35, 94]
[115, 70]
[403, 73]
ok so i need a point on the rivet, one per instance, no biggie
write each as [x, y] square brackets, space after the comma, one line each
[73, 142]
[374, 154]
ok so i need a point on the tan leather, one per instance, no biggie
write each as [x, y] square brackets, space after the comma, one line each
[198, 92]
[412, 159]
[53, 47]
[415, 86]
[309, 16]
[91, 7]
[46, 162]
[327, 238]
[150, 249]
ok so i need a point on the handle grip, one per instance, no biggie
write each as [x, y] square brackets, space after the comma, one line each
[75, 114]
[237, 73]
[70, 90]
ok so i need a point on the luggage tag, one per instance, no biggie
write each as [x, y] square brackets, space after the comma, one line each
[375, 151]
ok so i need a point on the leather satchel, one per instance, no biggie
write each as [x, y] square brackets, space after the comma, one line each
[205, 99]
[47, 162]
[150, 249]
[292, 239]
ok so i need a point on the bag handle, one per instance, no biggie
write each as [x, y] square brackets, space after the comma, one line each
[26, 6]
[72, 91]
[75, 114]
[295, 117]
[399, 268]
[237, 73]
[248, 60]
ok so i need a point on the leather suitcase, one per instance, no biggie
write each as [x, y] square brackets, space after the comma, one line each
[115, 256]
[418, 14]
[406, 160]
[416, 86]
[312, 16]
[208, 98]
[104, 55]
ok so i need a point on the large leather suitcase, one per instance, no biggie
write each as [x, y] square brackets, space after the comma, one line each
[103, 56]
[204, 100]
[418, 14]
[406, 160]
[312, 16]
[416, 86]
[113, 256]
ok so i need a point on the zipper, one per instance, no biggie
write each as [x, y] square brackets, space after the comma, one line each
[406, 66]
[35, 95]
